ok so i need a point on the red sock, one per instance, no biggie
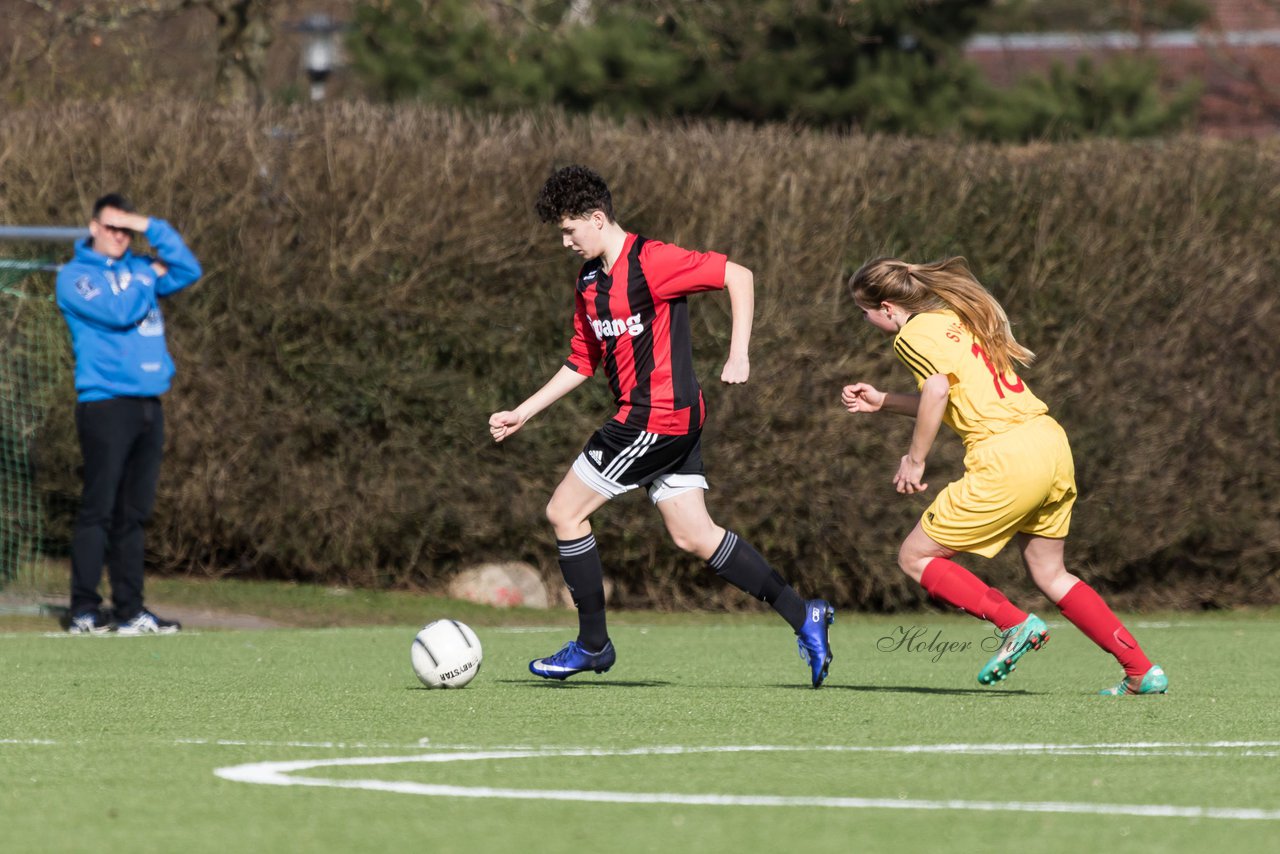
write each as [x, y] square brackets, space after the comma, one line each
[1083, 606]
[959, 587]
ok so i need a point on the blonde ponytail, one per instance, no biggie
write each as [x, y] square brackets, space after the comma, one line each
[942, 284]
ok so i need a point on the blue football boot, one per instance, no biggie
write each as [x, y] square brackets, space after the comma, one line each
[1030, 634]
[1154, 681]
[571, 659]
[813, 639]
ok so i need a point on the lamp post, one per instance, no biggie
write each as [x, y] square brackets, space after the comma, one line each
[320, 54]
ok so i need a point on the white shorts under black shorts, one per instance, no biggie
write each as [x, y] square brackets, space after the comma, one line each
[618, 459]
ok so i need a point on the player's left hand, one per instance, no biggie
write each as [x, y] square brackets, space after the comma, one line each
[736, 370]
[909, 479]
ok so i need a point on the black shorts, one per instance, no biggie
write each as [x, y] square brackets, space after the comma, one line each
[618, 458]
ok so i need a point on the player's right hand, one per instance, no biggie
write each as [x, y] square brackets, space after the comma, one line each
[504, 424]
[862, 397]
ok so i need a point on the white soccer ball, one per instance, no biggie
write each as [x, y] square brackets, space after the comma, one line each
[446, 654]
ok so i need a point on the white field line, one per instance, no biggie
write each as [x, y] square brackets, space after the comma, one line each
[1059, 624]
[283, 774]
[325, 745]
[1232, 749]
[1105, 749]
[1130, 748]
[515, 630]
[99, 638]
[1119, 748]
[525, 630]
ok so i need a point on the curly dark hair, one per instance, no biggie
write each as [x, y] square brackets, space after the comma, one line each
[573, 192]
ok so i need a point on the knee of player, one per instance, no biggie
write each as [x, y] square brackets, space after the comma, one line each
[910, 564]
[130, 521]
[702, 542]
[562, 517]
[94, 518]
[1052, 580]
[685, 541]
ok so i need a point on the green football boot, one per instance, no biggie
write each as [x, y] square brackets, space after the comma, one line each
[1153, 682]
[1030, 634]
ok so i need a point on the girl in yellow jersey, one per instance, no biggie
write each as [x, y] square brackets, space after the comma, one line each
[1019, 480]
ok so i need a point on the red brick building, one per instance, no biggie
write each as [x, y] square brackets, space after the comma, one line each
[1236, 54]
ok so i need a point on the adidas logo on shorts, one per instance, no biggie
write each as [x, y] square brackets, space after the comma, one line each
[597, 456]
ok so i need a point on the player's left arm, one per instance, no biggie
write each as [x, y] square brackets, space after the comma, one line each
[674, 272]
[934, 393]
[740, 283]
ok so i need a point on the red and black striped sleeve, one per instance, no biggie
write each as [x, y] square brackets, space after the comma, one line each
[674, 272]
[584, 348]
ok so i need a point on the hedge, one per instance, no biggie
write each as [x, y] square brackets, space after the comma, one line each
[376, 284]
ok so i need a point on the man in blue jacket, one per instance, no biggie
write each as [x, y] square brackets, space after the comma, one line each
[110, 299]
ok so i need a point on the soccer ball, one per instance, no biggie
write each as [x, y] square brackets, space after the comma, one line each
[446, 654]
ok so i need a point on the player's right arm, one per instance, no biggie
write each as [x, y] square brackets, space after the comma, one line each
[87, 295]
[584, 356]
[864, 397]
[508, 422]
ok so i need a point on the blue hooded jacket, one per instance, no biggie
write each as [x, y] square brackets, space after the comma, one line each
[112, 309]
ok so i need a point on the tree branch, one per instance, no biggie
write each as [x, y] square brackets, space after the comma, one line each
[103, 16]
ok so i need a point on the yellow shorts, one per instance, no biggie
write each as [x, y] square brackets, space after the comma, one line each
[1021, 481]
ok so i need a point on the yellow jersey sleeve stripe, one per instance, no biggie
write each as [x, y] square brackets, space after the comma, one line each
[911, 357]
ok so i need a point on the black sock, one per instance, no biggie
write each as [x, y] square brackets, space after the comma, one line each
[580, 566]
[742, 566]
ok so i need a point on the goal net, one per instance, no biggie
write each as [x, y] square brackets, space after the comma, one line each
[34, 367]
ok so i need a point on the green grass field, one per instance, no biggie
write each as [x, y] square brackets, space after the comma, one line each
[704, 737]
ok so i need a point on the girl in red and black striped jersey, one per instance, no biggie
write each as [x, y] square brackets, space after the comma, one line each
[631, 315]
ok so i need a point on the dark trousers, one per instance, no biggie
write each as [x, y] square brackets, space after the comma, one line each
[122, 441]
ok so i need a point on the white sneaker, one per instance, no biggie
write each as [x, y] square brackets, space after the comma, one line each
[89, 623]
[147, 623]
